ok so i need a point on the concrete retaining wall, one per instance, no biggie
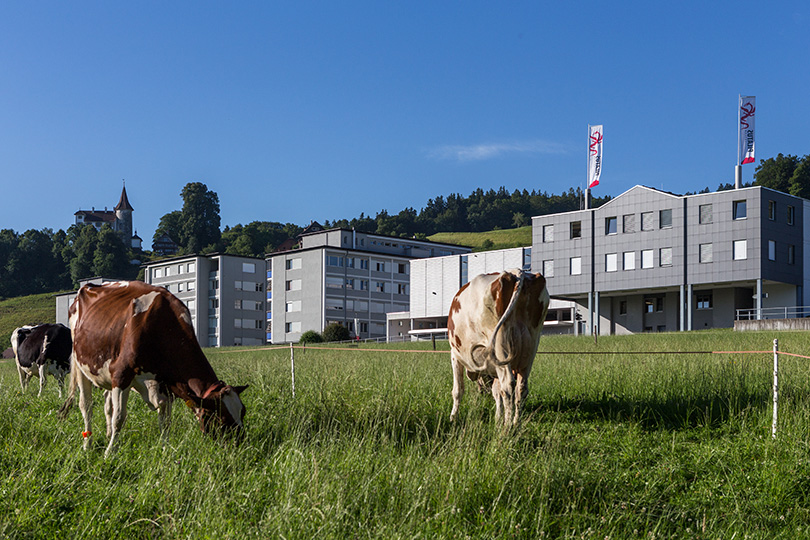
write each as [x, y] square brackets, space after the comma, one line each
[773, 324]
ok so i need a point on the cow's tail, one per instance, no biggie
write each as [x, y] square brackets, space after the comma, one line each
[72, 384]
[509, 309]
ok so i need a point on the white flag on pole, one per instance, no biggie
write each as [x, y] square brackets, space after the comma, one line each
[594, 155]
[746, 135]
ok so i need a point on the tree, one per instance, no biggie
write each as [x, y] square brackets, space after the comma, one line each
[336, 332]
[170, 225]
[110, 256]
[199, 220]
[84, 250]
[310, 336]
[775, 173]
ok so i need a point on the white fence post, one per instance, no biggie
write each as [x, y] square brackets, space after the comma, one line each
[292, 368]
[775, 385]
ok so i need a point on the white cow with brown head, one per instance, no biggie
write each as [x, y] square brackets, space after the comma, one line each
[494, 328]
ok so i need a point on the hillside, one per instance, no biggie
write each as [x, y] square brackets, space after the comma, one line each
[15, 312]
[501, 239]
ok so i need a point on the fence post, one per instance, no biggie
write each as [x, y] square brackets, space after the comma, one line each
[775, 385]
[292, 368]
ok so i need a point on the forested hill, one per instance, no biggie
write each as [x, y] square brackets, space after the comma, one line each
[41, 261]
[481, 211]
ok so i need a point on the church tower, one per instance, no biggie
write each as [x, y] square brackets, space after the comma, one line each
[123, 218]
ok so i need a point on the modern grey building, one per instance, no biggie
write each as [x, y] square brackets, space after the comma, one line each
[651, 261]
[435, 281]
[345, 276]
[224, 293]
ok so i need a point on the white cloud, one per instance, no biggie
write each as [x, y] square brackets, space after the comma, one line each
[479, 152]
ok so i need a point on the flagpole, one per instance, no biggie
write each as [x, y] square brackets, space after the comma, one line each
[587, 171]
[738, 167]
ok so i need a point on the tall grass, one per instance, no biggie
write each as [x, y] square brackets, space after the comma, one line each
[613, 445]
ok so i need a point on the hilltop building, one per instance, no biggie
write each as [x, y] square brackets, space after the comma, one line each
[119, 219]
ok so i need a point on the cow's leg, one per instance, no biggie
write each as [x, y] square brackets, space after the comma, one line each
[108, 412]
[86, 406]
[458, 385]
[496, 393]
[60, 382]
[24, 376]
[119, 397]
[506, 382]
[521, 393]
[149, 389]
[43, 371]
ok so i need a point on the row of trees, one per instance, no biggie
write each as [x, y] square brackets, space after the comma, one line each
[39, 261]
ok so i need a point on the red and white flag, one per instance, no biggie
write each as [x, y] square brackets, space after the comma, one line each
[594, 155]
[746, 135]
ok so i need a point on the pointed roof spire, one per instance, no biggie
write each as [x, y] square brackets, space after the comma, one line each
[123, 204]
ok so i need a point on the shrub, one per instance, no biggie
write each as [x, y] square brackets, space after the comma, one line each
[336, 332]
[311, 336]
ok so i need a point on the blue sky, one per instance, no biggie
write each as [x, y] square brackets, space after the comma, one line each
[302, 111]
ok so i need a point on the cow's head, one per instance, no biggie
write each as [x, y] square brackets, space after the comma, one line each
[220, 408]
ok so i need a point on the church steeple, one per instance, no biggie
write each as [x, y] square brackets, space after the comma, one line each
[123, 204]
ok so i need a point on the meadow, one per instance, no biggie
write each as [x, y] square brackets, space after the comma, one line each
[614, 445]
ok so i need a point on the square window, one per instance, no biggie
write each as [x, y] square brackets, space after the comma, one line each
[629, 223]
[576, 266]
[706, 253]
[649, 305]
[629, 258]
[647, 221]
[665, 256]
[610, 225]
[576, 229]
[548, 233]
[704, 301]
[739, 250]
[705, 214]
[646, 258]
[739, 210]
[665, 219]
[611, 262]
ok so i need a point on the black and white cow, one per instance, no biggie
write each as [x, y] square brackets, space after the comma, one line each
[40, 350]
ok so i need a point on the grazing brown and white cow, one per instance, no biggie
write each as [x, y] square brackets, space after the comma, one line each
[41, 350]
[494, 328]
[129, 335]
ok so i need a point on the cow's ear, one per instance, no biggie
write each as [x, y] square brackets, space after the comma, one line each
[240, 389]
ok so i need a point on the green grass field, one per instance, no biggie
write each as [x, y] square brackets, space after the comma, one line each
[15, 312]
[501, 239]
[613, 446]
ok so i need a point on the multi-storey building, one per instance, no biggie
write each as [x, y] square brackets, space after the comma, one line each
[651, 261]
[224, 293]
[345, 276]
[435, 281]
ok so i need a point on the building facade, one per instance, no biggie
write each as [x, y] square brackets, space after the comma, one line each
[345, 276]
[224, 293]
[651, 261]
[435, 281]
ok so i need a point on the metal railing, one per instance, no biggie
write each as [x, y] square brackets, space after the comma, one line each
[787, 312]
